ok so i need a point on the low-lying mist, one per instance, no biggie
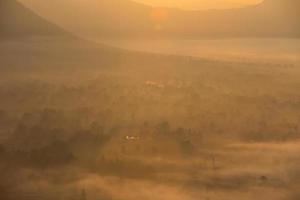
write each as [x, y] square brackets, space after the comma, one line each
[84, 124]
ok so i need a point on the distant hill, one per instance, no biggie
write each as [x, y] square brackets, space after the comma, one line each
[272, 18]
[19, 21]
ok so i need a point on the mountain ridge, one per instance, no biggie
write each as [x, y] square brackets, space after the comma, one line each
[126, 18]
[16, 20]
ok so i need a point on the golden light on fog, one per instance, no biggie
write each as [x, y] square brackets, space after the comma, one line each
[119, 100]
[159, 16]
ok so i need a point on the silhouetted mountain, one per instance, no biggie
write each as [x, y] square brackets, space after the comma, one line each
[19, 21]
[271, 18]
[97, 17]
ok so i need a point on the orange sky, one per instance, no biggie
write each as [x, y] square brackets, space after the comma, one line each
[185, 4]
[200, 4]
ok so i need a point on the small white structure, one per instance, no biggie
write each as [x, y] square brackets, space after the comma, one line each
[132, 137]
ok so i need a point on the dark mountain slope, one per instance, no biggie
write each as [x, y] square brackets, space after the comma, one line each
[23, 47]
[19, 21]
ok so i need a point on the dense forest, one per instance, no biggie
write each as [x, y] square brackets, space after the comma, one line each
[192, 128]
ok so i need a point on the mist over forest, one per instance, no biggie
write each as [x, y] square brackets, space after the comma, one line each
[135, 113]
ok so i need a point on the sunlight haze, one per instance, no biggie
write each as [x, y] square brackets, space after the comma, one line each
[200, 4]
[149, 99]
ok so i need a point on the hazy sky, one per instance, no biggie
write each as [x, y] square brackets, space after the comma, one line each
[201, 4]
[186, 4]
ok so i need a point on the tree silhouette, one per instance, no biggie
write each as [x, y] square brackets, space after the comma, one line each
[83, 195]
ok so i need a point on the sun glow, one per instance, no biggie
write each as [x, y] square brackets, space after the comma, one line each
[159, 15]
